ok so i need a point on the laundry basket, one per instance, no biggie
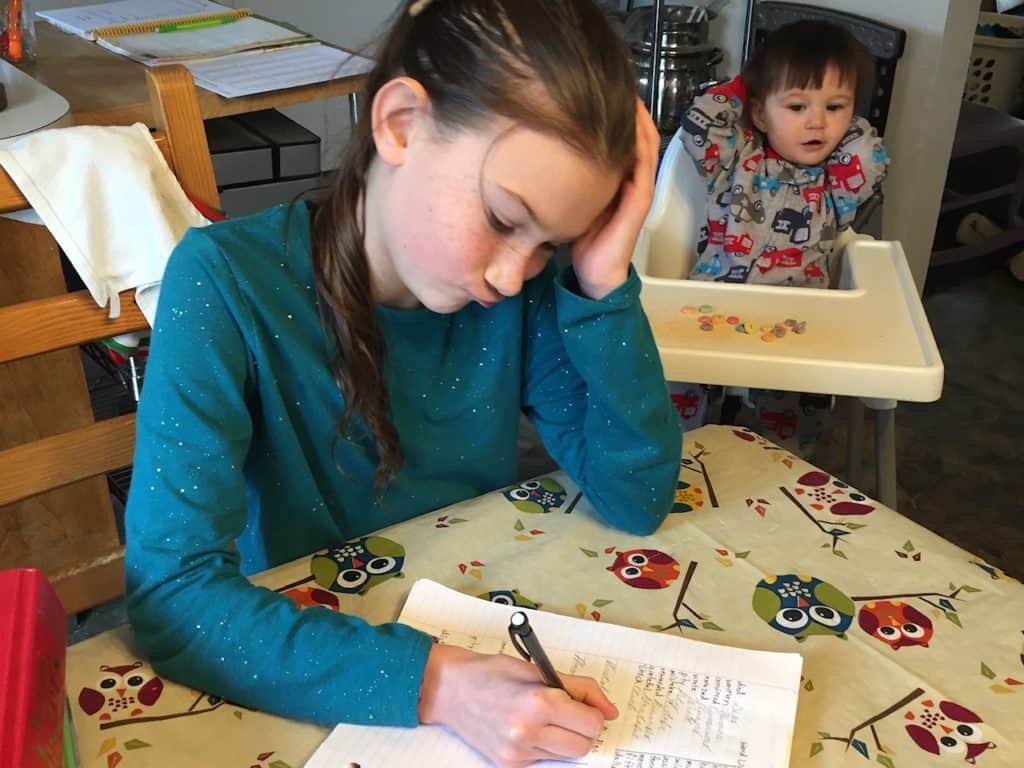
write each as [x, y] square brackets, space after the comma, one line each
[997, 66]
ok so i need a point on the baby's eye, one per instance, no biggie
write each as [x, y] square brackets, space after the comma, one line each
[795, 107]
[836, 107]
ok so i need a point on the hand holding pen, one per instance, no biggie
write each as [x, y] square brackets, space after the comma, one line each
[524, 640]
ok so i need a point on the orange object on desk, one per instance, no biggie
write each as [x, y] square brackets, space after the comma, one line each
[13, 48]
[33, 630]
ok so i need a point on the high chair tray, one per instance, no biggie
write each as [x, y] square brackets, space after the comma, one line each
[868, 338]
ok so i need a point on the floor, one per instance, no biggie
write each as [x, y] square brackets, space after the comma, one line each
[960, 460]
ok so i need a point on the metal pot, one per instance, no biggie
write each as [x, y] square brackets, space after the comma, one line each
[687, 60]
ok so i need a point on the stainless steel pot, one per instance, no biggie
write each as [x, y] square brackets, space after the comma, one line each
[687, 60]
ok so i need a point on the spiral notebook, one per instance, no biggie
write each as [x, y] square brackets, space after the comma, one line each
[162, 38]
[682, 702]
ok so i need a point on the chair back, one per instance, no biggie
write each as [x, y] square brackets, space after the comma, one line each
[54, 456]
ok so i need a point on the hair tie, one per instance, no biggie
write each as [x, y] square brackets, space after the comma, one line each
[419, 7]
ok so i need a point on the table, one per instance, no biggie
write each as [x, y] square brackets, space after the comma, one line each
[751, 523]
[104, 88]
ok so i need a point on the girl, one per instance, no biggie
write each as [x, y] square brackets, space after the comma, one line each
[320, 372]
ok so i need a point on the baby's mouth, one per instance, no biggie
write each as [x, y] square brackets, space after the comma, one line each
[813, 144]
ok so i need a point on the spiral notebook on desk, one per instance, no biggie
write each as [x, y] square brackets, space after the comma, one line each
[681, 702]
[213, 31]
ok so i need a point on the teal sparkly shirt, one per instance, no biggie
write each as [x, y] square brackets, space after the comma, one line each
[236, 459]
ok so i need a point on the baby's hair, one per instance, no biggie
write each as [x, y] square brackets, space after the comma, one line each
[553, 66]
[797, 55]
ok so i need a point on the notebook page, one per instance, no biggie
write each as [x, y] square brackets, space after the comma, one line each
[244, 34]
[83, 19]
[243, 74]
[682, 703]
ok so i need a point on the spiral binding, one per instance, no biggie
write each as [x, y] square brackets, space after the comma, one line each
[144, 27]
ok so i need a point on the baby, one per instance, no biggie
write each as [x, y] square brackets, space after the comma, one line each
[787, 162]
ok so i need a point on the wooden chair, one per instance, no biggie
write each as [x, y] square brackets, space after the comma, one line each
[55, 508]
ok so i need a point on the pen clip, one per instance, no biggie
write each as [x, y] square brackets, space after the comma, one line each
[514, 631]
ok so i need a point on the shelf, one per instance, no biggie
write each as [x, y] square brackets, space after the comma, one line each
[973, 251]
[956, 201]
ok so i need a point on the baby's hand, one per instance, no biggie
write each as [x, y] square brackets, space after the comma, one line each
[601, 256]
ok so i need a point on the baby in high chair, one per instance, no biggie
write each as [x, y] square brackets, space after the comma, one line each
[787, 164]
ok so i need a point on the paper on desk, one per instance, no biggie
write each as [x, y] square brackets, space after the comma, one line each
[242, 74]
[84, 19]
[682, 703]
[156, 48]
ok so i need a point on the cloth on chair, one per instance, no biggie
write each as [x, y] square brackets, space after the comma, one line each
[111, 202]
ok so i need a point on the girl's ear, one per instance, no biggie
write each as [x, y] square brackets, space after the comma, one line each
[757, 115]
[399, 110]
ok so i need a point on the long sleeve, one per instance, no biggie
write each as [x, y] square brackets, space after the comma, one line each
[711, 129]
[194, 614]
[595, 389]
[856, 170]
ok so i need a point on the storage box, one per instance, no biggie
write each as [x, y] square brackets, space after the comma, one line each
[296, 150]
[239, 155]
[996, 67]
[250, 198]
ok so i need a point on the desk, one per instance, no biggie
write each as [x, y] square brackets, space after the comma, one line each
[748, 516]
[106, 89]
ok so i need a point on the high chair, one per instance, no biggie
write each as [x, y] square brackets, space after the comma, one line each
[55, 507]
[868, 338]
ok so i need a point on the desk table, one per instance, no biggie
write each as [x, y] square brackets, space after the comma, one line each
[903, 634]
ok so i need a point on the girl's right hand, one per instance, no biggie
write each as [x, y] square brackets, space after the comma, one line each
[499, 706]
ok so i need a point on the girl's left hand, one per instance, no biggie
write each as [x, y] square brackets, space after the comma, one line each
[601, 256]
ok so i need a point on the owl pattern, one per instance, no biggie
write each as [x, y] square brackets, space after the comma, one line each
[895, 623]
[645, 568]
[539, 496]
[825, 493]
[509, 597]
[357, 566]
[126, 690]
[803, 606]
[949, 730]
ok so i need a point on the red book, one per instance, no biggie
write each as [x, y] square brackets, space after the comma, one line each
[33, 635]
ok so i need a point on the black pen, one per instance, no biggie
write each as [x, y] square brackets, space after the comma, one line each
[524, 639]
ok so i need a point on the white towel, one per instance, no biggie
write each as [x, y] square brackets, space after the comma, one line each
[110, 201]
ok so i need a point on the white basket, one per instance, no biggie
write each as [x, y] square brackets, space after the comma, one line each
[996, 68]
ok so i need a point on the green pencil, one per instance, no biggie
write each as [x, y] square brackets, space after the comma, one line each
[196, 24]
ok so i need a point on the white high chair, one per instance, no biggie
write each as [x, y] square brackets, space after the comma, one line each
[867, 338]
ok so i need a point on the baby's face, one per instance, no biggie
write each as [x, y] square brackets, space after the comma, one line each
[805, 125]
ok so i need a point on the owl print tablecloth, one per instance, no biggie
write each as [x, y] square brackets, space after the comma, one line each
[913, 649]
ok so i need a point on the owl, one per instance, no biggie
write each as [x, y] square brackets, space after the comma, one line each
[895, 623]
[645, 568]
[122, 691]
[951, 730]
[802, 606]
[358, 565]
[509, 597]
[537, 496]
[826, 494]
[312, 597]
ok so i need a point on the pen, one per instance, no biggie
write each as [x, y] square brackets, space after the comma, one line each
[196, 24]
[524, 639]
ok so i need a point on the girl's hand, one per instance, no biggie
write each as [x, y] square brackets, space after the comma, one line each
[601, 256]
[499, 706]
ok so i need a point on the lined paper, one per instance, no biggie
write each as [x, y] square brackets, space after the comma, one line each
[242, 74]
[682, 703]
[84, 19]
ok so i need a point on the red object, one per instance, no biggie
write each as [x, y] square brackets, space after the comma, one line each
[846, 173]
[33, 629]
[213, 214]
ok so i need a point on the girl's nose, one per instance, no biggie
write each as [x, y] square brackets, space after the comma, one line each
[506, 271]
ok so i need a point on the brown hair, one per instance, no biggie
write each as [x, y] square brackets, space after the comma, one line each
[554, 66]
[797, 56]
